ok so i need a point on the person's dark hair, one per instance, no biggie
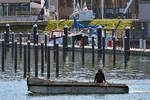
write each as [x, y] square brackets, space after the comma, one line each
[100, 70]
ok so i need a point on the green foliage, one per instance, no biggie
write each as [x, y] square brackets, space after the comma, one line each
[21, 28]
[62, 23]
[108, 23]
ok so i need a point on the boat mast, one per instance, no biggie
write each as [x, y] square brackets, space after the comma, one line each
[124, 12]
[74, 7]
[74, 12]
[81, 5]
[49, 7]
[102, 9]
[57, 15]
[91, 4]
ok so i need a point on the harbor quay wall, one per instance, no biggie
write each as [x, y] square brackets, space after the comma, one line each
[108, 50]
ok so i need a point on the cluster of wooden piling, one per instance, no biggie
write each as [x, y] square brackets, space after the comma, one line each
[26, 48]
[45, 47]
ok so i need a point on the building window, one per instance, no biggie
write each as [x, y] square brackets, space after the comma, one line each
[23, 9]
[1, 10]
[14, 9]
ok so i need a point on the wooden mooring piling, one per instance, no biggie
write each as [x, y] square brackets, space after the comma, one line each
[33, 42]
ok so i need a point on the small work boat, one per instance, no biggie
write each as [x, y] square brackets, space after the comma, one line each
[36, 85]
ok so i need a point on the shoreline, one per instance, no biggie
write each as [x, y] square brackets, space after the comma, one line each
[108, 50]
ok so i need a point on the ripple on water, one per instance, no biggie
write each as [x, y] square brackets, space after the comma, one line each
[136, 75]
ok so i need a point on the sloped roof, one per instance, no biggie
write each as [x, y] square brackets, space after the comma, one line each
[14, 1]
[35, 5]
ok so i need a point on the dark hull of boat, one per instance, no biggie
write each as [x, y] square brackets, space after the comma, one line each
[37, 85]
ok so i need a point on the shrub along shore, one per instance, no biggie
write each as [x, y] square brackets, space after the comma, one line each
[51, 25]
[108, 23]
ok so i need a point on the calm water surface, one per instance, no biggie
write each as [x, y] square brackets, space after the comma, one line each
[136, 75]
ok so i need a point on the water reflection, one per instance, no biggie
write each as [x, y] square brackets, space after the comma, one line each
[136, 74]
[137, 66]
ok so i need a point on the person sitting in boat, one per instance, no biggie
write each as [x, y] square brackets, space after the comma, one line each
[100, 77]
